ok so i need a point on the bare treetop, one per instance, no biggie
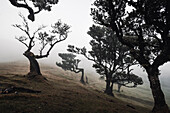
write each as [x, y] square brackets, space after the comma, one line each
[58, 33]
[45, 40]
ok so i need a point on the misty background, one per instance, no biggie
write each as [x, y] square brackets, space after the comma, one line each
[75, 13]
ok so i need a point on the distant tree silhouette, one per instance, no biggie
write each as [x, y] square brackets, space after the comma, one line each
[36, 4]
[107, 54]
[126, 79]
[47, 40]
[145, 30]
[70, 63]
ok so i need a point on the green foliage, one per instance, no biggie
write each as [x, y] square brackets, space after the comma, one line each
[68, 61]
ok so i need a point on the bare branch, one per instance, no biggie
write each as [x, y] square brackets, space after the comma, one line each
[58, 29]
[22, 40]
[39, 29]
[49, 50]
[24, 27]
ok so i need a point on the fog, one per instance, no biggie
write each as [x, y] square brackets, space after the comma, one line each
[75, 13]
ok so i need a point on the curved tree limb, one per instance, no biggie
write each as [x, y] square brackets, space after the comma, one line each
[19, 5]
[49, 50]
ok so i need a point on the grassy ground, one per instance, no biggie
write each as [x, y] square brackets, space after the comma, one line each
[60, 93]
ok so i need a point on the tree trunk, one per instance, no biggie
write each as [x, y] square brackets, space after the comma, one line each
[118, 87]
[34, 66]
[87, 80]
[109, 90]
[160, 105]
[82, 76]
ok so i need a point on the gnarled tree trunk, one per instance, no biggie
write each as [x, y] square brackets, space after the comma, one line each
[34, 66]
[160, 105]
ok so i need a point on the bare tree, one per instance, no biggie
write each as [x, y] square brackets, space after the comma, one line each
[36, 4]
[47, 40]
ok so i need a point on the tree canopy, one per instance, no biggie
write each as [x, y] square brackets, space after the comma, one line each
[58, 33]
[34, 6]
[144, 29]
[108, 54]
[69, 62]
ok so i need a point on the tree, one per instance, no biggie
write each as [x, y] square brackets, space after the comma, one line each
[145, 31]
[127, 79]
[107, 54]
[47, 40]
[70, 63]
[36, 4]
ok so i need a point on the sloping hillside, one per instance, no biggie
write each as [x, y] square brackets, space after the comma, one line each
[60, 93]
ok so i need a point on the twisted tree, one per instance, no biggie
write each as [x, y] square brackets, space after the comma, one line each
[70, 63]
[32, 5]
[47, 40]
[145, 31]
[107, 54]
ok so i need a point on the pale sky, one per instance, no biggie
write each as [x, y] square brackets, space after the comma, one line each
[75, 13]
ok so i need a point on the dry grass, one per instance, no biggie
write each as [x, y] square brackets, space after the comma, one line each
[60, 93]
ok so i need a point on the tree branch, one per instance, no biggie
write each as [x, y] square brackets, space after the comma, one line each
[22, 41]
[16, 4]
[51, 46]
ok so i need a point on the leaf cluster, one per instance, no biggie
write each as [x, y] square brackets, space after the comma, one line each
[33, 5]
[144, 28]
[128, 80]
[107, 53]
[69, 62]
[44, 4]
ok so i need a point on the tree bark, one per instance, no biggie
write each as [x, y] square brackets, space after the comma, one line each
[82, 76]
[34, 66]
[160, 105]
[109, 87]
